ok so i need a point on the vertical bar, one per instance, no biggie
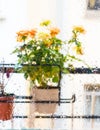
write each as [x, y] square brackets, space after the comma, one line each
[59, 83]
[93, 107]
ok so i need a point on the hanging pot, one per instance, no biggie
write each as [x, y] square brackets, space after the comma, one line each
[6, 107]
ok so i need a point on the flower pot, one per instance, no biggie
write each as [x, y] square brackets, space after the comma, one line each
[41, 107]
[42, 95]
[6, 107]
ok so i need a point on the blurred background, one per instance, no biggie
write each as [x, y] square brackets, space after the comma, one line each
[24, 14]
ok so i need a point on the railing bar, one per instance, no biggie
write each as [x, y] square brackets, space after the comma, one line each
[81, 70]
[23, 97]
[61, 116]
[5, 101]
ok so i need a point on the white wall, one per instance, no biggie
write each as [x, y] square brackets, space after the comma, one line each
[75, 13]
[40, 10]
[14, 12]
[22, 14]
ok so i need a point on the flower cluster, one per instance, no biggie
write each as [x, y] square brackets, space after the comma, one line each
[41, 46]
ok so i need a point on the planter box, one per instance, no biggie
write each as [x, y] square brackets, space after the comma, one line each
[39, 94]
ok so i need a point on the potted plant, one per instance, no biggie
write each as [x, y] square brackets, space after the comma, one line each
[6, 99]
[43, 55]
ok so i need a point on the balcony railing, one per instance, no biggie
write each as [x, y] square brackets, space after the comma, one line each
[22, 99]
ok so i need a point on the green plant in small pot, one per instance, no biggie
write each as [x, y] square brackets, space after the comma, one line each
[43, 55]
[6, 99]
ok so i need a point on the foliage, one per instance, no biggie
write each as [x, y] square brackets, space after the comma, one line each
[41, 46]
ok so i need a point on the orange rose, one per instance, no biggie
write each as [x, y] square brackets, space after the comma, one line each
[22, 35]
[54, 31]
[32, 32]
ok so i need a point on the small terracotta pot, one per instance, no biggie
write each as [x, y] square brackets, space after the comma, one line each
[6, 107]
